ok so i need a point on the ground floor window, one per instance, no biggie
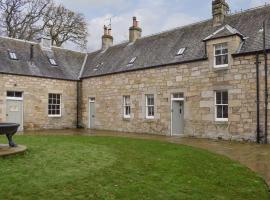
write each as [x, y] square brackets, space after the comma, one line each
[150, 106]
[221, 105]
[127, 109]
[54, 105]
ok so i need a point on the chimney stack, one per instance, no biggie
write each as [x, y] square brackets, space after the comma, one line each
[45, 42]
[107, 38]
[220, 9]
[135, 31]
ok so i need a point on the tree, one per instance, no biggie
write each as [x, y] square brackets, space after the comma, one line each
[22, 18]
[28, 19]
[65, 25]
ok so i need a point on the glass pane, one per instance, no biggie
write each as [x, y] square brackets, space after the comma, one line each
[218, 97]
[225, 97]
[218, 52]
[224, 60]
[219, 60]
[150, 111]
[225, 111]
[225, 51]
[18, 94]
[10, 94]
[219, 111]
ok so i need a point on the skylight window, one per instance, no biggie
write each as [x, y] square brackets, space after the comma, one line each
[181, 51]
[53, 62]
[12, 55]
[132, 60]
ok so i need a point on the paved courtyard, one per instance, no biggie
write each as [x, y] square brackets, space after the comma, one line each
[256, 157]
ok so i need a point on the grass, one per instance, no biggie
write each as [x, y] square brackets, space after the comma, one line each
[107, 168]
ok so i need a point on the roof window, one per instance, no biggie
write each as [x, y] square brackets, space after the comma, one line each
[53, 62]
[132, 60]
[181, 51]
[12, 55]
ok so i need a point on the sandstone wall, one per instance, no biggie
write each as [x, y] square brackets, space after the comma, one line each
[35, 101]
[197, 80]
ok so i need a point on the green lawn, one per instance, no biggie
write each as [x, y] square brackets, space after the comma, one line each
[78, 167]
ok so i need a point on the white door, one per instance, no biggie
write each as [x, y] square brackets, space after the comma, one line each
[14, 112]
[92, 112]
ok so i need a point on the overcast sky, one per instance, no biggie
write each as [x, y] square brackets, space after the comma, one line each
[154, 15]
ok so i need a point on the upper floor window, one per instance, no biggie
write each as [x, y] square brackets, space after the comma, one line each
[127, 109]
[221, 105]
[221, 55]
[54, 105]
[150, 106]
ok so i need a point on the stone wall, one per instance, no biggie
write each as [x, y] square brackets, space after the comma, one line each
[35, 101]
[197, 81]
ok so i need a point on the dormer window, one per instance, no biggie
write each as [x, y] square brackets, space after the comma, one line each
[221, 55]
[12, 55]
[132, 60]
[53, 62]
[181, 51]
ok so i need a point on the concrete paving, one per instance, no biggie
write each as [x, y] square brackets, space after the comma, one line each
[254, 156]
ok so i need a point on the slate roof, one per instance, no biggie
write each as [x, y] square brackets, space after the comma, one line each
[224, 31]
[161, 49]
[68, 67]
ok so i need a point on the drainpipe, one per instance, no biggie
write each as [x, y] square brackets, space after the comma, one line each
[78, 103]
[258, 97]
[266, 82]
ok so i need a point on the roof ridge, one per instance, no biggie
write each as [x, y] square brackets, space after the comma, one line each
[250, 9]
[32, 42]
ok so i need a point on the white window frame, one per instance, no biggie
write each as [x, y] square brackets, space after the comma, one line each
[181, 51]
[221, 104]
[125, 105]
[52, 62]
[14, 97]
[148, 106]
[222, 47]
[55, 115]
[12, 55]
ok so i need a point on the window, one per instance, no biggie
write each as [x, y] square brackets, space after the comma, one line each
[150, 106]
[221, 55]
[54, 106]
[127, 109]
[53, 62]
[221, 105]
[132, 60]
[181, 51]
[14, 94]
[12, 55]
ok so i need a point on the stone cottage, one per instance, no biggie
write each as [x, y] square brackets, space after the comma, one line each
[205, 79]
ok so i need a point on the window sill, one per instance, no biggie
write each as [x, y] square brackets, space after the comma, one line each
[54, 116]
[127, 119]
[221, 121]
[220, 67]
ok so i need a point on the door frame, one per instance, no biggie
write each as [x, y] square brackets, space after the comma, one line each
[90, 100]
[22, 114]
[172, 100]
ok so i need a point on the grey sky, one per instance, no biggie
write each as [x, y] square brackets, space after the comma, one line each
[154, 15]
